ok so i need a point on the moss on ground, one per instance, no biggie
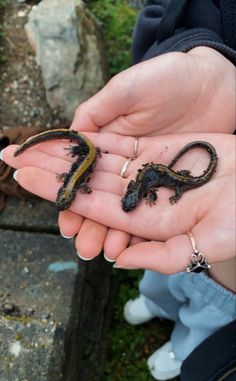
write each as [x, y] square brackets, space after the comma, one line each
[130, 346]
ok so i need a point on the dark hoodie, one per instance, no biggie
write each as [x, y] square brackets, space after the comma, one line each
[180, 25]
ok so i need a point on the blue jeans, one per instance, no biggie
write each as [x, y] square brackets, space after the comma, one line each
[196, 303]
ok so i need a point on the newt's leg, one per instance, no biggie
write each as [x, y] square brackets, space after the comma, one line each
[84, 188]
[178, 193]
[151, 197]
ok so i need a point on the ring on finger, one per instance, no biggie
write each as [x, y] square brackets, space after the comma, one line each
[198, 262]
[125, 167]
[128, 161]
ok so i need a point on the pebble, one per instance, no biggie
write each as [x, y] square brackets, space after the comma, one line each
[14, 85]
[45, 316]
[33, 113]
[30, 311]
[21, 14]
[8, 307]
[24, 79]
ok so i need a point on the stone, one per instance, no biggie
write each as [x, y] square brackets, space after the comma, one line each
[68, 44]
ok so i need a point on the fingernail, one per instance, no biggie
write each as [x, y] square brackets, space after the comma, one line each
[108, 259]
[15, 174]
[1, 155]
[116, 266]
[85, 259]
[126, 267]
[66, 236]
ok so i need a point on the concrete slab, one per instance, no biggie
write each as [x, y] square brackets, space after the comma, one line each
[31, 215]
[55, 311]
[37, 277]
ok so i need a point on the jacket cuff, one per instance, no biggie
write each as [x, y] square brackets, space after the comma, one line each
[187, 40]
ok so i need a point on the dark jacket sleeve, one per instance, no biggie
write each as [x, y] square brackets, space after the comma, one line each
[180, 25]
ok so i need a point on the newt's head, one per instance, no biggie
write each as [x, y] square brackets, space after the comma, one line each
[132, 196]
[130, 201]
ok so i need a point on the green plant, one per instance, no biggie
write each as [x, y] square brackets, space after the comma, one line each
[117, 19]
[2, 3]
[130, 346]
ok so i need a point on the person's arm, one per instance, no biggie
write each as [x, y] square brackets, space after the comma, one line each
[181, 25]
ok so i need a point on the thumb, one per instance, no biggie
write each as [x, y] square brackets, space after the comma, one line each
[165, 257]
[168, 257]
[103, 107]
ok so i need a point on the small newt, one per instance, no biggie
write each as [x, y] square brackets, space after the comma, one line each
[152, 176]
[78, 176]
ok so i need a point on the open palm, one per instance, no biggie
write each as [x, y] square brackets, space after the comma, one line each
[172, 93]
[200, 210]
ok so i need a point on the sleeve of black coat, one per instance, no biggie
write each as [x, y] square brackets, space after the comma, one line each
[181, 25]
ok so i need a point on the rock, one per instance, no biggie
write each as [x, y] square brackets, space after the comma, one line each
[67, 41]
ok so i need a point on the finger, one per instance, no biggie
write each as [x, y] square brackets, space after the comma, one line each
[46, 154]
[43, 184]
[103, 107]
[167, 257]
[33, 157]
[175, 254]
[69, 223]
[134, 240]
[90, 239]
[99, 179]
[116, 143]
[116, 241]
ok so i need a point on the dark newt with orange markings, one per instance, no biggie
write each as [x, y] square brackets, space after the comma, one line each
[152, 176]
[78, 176]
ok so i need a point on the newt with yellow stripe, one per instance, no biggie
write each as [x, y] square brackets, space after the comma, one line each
[78, 176]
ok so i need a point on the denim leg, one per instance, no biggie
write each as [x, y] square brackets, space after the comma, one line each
[208, 307]
[155, 287]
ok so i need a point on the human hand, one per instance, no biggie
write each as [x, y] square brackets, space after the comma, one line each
[172, 93]
[168, 248]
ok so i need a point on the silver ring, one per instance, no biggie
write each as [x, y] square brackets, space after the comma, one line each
[124, 168]
[135, 154]
[198, 262]
[128, 161]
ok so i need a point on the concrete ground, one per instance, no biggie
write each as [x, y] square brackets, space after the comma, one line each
[54, 309]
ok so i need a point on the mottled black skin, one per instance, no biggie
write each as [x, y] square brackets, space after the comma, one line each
[153, 176]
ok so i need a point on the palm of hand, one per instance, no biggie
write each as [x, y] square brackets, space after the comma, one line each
[173, 93]
[200, 210]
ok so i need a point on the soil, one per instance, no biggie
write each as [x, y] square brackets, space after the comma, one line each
[22, 95]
